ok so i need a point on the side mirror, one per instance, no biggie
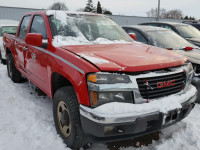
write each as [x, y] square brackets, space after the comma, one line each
[34, 39]
[188, 48]
[132, 35]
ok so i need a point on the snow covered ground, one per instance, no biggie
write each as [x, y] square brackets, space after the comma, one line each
[26, 123]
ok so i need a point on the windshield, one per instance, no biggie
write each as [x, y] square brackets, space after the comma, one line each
[77, 29]
[168, 39]
[10, 30]
[188, 31]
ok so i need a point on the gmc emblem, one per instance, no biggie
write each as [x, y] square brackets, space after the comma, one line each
[166, 84]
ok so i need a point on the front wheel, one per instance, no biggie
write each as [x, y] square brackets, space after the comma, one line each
[67, 118]
[196, 83]
[13, 73]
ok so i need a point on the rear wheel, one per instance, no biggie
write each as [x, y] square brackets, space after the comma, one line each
[67, 118]
[13, 73]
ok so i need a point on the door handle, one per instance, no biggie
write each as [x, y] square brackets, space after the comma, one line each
[25, 48]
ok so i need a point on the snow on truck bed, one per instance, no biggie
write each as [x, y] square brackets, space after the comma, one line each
[26, 123]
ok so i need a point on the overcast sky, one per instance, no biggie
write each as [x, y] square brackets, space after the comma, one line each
[118, 7]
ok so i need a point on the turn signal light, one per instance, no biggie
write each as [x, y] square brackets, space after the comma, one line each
[4, 38]
[93, 98]
[92, 78]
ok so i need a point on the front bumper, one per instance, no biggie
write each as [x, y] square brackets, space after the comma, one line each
[102, 129]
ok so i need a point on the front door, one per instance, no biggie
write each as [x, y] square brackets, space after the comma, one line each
[36, 57]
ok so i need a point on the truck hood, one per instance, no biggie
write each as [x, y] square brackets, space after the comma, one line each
[129, 57]
[193, 56]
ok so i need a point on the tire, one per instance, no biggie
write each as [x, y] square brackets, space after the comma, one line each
[196, 83]
[66, 106]
[13, 73]
[1, 59]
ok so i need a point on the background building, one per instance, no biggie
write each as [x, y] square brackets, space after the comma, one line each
[14, 13]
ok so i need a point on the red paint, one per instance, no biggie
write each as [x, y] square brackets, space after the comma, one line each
[132, 35]
[34, 39]
[132, 57]
[189, 48]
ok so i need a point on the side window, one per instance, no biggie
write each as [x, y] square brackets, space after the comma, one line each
[38, 26]
[139, 36]
[153, 24]
[23, 27]
[196, 26]
[165, 26]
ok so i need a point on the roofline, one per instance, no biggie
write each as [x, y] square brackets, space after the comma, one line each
[144, 17]
[20, 7]
[151, 28]
[166, 22]
[68, 12]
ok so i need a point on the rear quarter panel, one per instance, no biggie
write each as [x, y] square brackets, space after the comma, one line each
[9, 44]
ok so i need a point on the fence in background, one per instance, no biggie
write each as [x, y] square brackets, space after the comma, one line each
[134, 20]
[14, 13]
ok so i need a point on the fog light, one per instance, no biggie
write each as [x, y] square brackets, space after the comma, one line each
[109, 129]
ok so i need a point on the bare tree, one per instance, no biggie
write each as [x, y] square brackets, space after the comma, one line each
[59, 6]
[174, 14]
[153, 12]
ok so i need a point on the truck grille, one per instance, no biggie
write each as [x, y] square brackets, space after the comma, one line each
[155, 87]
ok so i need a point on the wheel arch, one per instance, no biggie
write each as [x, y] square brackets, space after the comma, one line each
[8, 51]
[58, 81]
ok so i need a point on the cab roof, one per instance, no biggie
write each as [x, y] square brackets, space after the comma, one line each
[49, 12]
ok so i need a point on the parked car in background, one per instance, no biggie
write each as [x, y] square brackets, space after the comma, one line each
[168, 39]
[104, 86]
[188, 32]
[193, 23]
[6, 26]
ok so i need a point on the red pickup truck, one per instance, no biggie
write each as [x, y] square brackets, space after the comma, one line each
[104, 86]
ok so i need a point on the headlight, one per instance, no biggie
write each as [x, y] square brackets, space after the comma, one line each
[189, 67]
[99, 96]
[189, 71]
[106, 78]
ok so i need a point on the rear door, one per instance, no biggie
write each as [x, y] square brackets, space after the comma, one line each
[37, 58]
[20, 45]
